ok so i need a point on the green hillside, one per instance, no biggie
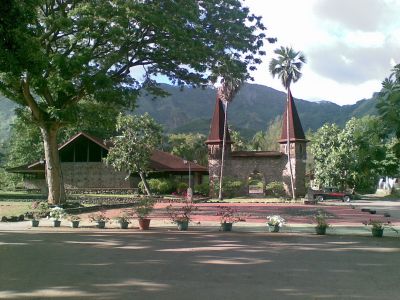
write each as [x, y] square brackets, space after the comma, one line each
[190, 110]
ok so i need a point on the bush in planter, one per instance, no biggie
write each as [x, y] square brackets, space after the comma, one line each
[142, 209]
[377, 227]
[228, 216]
[181, 215]
[276, 189]
[322, 224]
[275, 222]
[57, 213]
[74, 220]
[123, 219]
[100, 218]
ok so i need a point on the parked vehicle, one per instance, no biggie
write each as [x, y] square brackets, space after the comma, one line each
[332, 193]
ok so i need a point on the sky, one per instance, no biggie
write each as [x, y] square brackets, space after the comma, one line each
[350, 45]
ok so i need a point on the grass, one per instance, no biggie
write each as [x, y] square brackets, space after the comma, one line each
[14, 208]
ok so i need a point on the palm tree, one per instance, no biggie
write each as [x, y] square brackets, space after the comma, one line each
[226, 93]
[287, 67]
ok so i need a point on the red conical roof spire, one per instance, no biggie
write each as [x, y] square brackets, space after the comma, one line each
[296, 132]
[217, 125]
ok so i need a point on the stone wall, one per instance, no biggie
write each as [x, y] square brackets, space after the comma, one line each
[93, 175]
[271, 168]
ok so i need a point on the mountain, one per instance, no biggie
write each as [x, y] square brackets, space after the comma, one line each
[190, 110]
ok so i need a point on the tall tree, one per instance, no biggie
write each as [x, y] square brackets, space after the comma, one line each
[191, 146]
[287, 66]
[55, 54]
[389, 106]
[226, 92]
[137, 138]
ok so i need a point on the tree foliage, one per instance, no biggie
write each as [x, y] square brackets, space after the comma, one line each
[287, 65]
[354, 156]
[190, 146]
[138, 137]
[56, 54]
[389, 106]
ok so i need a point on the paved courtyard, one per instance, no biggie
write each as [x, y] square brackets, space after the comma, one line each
[204, 263]
[199, 264]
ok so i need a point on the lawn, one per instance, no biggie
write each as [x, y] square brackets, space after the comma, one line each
[14, 208]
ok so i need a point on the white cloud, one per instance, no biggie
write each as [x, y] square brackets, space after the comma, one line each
[350, 45]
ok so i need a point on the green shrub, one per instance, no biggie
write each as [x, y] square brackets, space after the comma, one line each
[158, 186]
[181, 187]
[276, 189]
[202, 189]
[230, 187]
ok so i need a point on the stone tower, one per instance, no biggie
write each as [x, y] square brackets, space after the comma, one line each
[298, 148]
[214, 145]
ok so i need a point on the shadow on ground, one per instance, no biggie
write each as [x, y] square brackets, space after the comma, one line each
[196, 265]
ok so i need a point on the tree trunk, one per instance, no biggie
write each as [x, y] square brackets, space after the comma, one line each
[55, 183]
[146, 187]
[223, 152]
[288, 146]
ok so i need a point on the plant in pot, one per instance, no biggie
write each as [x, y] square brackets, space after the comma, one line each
[99, 218]
[321, 224]
[123, 220]
[142, 209]
[181, 215]
[74, 221]
[377, 227]
[35, 219]
[275, 222]
[228, 216]
[57, 213]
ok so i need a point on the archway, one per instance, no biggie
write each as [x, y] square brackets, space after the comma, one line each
[256, 184]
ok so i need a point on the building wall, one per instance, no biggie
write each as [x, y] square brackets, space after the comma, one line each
[93, 175]
[78, 175]
[271, 168]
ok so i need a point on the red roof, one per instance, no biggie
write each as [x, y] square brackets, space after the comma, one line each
[163, 161]
[296, 132]
[217, 125]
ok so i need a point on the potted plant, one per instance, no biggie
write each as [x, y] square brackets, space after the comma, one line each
[142, 209]
[35, 219]
[228, 216]
[123, 220]
[181, 215]
[275, 222]
[322, 224]
[74, 221]
[377, 227]
[100, 218]
[57, 213]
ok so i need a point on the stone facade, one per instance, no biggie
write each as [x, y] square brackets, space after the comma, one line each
[269, 165]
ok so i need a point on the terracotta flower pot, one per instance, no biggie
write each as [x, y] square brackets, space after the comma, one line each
[144, 224]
